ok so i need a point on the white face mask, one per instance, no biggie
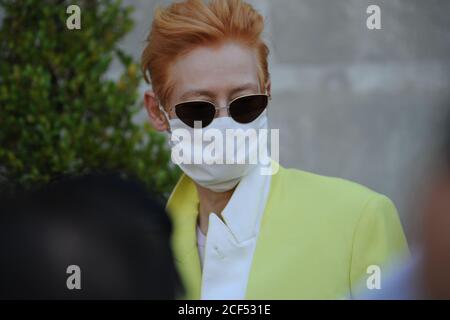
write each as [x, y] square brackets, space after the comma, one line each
[209, 171]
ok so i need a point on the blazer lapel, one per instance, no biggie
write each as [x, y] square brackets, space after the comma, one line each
[183, 209]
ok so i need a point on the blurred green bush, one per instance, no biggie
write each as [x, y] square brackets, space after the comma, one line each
[59, 114]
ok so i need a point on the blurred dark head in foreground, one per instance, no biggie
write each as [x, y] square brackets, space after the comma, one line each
[437, 226]
[109, 228]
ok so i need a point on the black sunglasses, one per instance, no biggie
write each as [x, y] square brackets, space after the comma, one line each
[243, 109]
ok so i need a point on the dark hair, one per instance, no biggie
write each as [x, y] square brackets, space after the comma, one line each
[109, 227]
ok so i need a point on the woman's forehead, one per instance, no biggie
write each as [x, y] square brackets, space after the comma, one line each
[212, 69]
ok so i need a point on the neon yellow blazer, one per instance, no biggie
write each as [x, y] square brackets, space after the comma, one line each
[318, 236]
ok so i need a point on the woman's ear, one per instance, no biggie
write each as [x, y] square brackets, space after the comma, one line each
[157, 117]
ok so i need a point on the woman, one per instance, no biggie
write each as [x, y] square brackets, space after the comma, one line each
[239, 232]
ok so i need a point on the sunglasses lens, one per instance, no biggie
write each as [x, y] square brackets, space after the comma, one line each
[189, 112]
[247, 109]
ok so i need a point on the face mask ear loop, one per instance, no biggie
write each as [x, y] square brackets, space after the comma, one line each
[161, 108]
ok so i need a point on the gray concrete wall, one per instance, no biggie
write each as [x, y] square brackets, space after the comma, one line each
[350, 102]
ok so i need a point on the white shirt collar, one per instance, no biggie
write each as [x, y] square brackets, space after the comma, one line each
[243, 212]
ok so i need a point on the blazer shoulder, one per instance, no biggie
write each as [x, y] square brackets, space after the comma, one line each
[319, 191]
[326, 184]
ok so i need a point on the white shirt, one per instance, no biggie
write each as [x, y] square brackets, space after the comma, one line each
[226, 252]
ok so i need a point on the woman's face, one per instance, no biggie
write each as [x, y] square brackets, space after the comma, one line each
[217, 74]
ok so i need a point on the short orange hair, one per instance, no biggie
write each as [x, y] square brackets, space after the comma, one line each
[183, 26]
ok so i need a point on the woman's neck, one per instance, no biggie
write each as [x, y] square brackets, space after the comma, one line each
[210, 202]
